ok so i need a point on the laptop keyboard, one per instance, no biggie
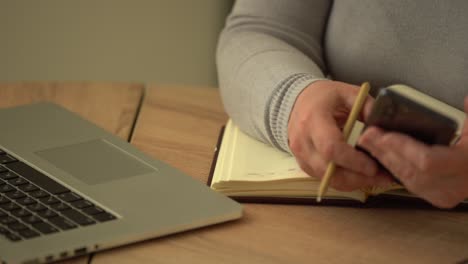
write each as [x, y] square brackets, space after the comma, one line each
[33, 205]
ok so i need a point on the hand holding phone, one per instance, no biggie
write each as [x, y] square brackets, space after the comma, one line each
[402, 109]
[395, 111]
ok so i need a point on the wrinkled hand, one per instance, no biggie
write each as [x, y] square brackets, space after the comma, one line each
[438, 174]
[315, 136]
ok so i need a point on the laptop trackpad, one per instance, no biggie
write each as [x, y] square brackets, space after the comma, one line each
[95, 161]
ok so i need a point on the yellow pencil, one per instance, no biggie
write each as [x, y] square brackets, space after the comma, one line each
[355, 110]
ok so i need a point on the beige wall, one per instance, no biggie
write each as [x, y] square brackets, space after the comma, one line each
[157, 41]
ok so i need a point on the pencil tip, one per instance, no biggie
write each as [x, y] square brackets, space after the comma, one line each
[319, 199]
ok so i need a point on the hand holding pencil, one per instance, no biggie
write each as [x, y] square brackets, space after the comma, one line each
[357, 108]
[316, 137]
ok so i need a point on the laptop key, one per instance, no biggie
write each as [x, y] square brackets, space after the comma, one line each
[78, 217]
[60, 206]
[17, 181]
[47, 213]
[4, 199]
[62, 223]
[7, 175]
[15, 195]
[13, 237]
[11, 206]
[103, 217]
[37, 177]
[80, 204]
[31, 219]
[7, 159]
[26, 201]
[17, 226]
[36, 207]
[49, 200]
[4, 188]
[21, 213]
[28, 187]
[8, 220]
[39, 194]
[45, 228]
[28, 233]
[3, 214]
[92, 210]
[2, 169]
[69, 197]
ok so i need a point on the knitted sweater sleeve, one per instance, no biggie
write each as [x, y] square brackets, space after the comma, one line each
[268, 52]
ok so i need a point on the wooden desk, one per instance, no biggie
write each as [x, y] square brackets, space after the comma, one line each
[181, 125]
[110, 106]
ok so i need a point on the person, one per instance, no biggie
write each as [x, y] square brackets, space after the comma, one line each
[289, 70]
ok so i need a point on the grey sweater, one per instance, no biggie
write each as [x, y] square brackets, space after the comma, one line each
[272, 49]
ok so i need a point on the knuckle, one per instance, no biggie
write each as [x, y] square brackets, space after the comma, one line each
[411, 181]
[386, 139]
[319, 170]
[326, 149]
[295, 145]
[303, 121]
[307, 169]
[406, 174]
[303, 167]
[317, 167]
[425, 162]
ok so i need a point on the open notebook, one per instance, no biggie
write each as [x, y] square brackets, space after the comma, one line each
[251, 171]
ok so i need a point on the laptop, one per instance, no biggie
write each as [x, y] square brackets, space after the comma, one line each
[68, 188]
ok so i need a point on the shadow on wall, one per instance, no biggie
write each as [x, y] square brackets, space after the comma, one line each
[166, 42]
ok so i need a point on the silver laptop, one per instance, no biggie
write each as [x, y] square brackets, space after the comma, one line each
[68, 188]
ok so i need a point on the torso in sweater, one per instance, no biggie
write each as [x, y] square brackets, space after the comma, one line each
[415, 42]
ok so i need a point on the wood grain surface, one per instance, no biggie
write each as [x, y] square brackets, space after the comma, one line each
[180, 125]
[112, 106]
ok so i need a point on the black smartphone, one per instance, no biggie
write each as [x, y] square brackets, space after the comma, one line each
[393, 111]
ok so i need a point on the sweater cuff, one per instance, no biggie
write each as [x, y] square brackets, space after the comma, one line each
[281, 105]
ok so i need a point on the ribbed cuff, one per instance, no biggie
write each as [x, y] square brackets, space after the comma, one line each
[281, 105]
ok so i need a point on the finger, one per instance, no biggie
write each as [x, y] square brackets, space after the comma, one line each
[310, 162]
[330, 144]
[367, 108]
[397, 152]
[348, 95]
[342, 179]
[425, 170]
[346, 180]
